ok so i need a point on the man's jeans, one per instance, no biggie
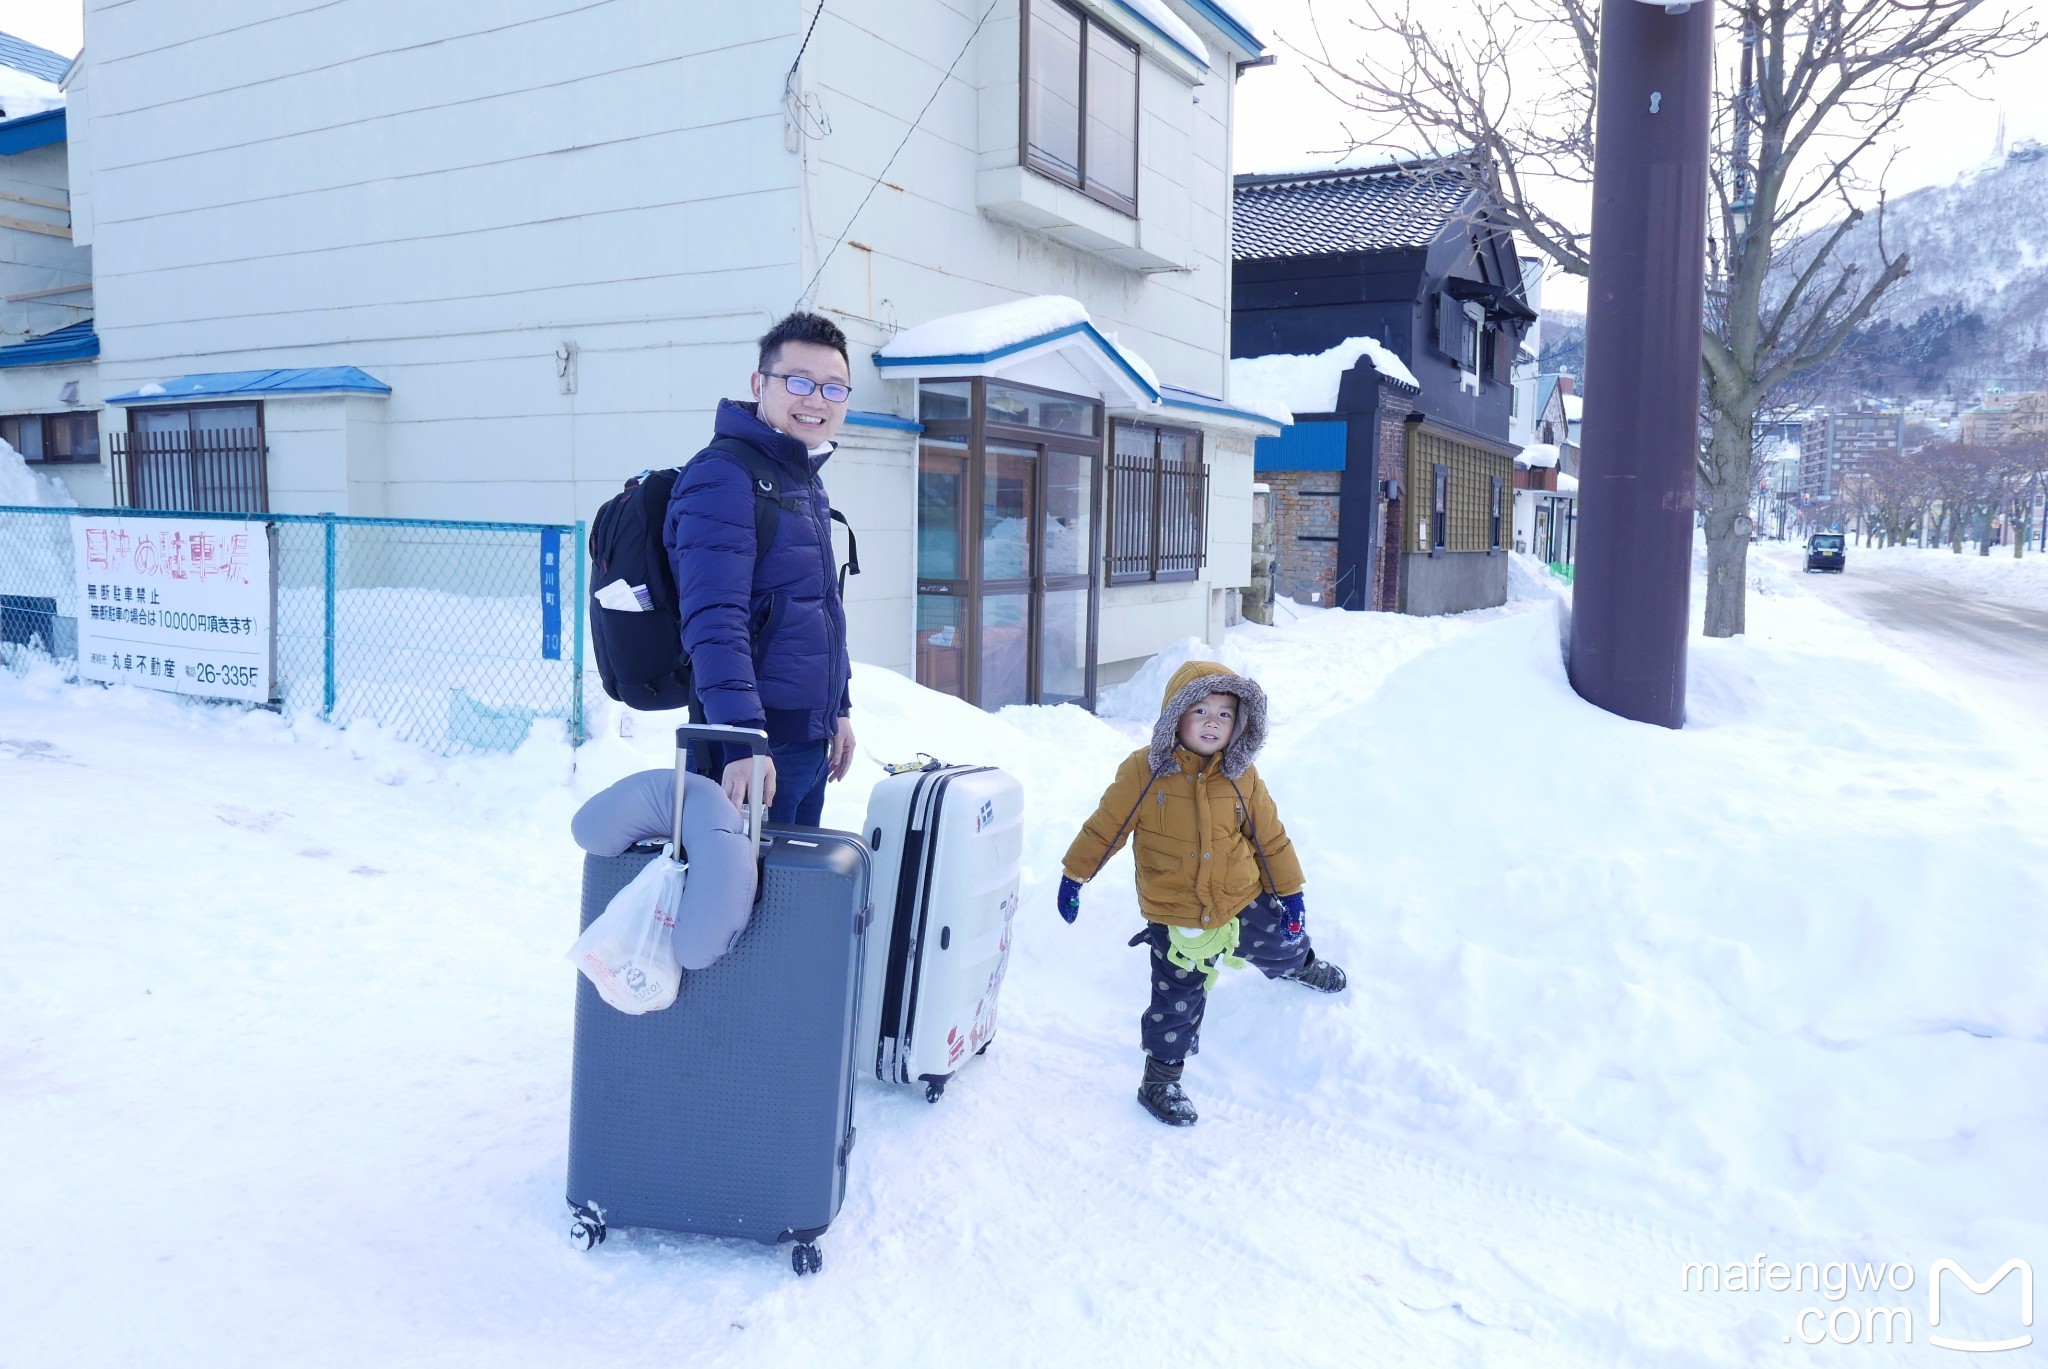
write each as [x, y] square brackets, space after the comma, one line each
[800, 771]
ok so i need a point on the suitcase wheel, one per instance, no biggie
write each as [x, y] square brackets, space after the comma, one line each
[588, 1226]
[934, 1089]
[984, 1047]
[805, 1259]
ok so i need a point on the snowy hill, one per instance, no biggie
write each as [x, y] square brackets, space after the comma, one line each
[1978, 245]
[284, 1034]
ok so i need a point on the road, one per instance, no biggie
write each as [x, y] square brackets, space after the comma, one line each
[1987, 641]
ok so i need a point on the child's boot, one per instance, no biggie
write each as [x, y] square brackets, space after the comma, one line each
[1161, 1095]
[1319, 975]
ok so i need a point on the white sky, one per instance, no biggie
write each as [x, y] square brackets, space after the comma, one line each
[1284, 119]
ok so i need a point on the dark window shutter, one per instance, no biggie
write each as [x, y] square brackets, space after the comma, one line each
[1450, 326]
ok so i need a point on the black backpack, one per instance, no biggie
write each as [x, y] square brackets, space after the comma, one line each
[640, 656]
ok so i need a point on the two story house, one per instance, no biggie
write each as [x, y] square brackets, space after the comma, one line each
[486, 263]
[49, 407]
[1411, 467]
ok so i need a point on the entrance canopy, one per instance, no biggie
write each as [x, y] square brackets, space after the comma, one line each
[1046, 340]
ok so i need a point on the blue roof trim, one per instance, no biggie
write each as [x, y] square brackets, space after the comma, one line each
[1237, 33]
[983, 358]
[1163, 35]
[867, 418]
[317, 380]
[74, 342]
[40, 62]
[1176, 397]
[1317, 446]
[31, 131]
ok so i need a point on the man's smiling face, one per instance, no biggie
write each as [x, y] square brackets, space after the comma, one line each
[811, 419]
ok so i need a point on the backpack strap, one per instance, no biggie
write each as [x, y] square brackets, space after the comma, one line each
[852, 566]
[767, 482]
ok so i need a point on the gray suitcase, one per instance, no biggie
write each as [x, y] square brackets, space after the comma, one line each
[729, 1113]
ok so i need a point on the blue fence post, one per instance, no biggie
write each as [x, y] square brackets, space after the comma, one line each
[327, 682]
[576, 655]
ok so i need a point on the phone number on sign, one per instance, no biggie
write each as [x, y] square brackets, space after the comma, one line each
[234, 676]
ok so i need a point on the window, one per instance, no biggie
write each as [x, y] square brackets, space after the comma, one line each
[1495, 513]
[1440, 508]
[53, 437]
[1461, 332]
[1158, 489]
[205, 459]
[1080, 106]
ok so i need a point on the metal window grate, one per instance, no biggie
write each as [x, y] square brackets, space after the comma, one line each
[1158, 501]
[206, 471]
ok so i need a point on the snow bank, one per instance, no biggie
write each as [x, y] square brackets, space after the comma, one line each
[1293, 384]
[21, 486]
[2000, 575]
[1621, 997]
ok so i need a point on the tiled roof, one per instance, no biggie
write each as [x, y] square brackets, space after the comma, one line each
[74, 342]
[35, 61]
[1366, 210]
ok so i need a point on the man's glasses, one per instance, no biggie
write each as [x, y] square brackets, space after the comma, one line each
[802, 386]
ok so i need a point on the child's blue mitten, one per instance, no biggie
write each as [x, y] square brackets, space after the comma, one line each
[1290, 924]
[1070, 897]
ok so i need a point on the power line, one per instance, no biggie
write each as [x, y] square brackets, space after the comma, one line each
[874, 185]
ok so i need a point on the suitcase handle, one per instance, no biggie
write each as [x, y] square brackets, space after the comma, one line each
[755, 740]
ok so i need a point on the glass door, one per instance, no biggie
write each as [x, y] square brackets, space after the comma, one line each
[1065, 586]
[1006, 529]
[945, 576]
[1009, 571]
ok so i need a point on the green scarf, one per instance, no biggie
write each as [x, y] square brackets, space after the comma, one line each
[1204, 951]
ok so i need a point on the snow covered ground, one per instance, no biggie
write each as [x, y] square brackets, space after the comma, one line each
[1998, 576]
[284, 1031]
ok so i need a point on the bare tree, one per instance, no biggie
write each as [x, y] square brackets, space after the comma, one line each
[1811, 93]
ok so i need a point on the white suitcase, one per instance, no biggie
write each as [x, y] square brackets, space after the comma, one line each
[947, 847]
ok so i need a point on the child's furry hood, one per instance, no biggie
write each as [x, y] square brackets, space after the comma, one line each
[1191, 684]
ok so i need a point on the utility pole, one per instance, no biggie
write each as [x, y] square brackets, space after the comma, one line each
[1631, 611]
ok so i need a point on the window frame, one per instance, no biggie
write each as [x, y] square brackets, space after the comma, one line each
[43, 422]
[1194, 480]
[133, 445]
[1051, 170]
[1495, 516]
[1439, 508]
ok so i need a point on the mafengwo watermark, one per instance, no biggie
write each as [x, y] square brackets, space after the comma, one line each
[1874, 1303]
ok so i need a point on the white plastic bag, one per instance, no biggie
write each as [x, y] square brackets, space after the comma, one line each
[628, 953]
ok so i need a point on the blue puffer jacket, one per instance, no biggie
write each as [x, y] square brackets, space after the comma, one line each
[766, 634]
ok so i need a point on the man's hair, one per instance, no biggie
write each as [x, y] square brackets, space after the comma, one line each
[802, 326]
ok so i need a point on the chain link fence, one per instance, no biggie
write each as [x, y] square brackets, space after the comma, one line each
[458, 637]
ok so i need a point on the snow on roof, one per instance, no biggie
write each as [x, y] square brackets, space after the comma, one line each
[978, 332]
[1574, 407]
[1240, 15]
[978, 336]
[22, 93]
[1170, 25]
[1537, 456]
[1307, 384]
[1567, 484]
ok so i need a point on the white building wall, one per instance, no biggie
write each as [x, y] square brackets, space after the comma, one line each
[37, 250]
[946, 231]
[443, 195]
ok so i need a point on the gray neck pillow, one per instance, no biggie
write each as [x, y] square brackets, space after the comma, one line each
[718, 894]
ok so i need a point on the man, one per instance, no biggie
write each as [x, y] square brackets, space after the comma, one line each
[763, 626]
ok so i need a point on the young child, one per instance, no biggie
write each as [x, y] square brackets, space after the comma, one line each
[1217, 877]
